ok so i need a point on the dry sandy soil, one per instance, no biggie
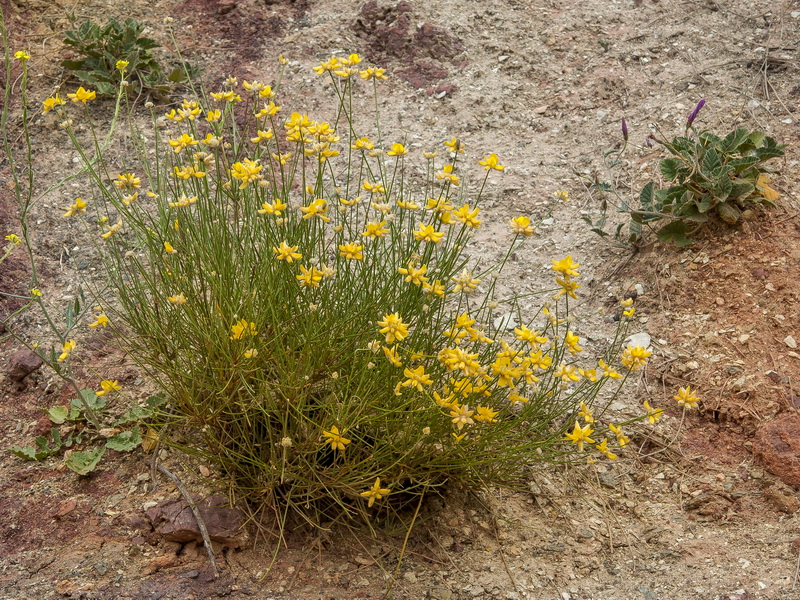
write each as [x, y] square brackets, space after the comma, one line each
[690, 512]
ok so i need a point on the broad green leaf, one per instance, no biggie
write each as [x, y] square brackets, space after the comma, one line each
[674, 233]
[703, 204]
[734, 139]
[723, 188]
[740, 189]
[58, 414]
[84, 463]
[125, 441]
[711, 163]
[647, 196]
[729, 213]
[669, 168]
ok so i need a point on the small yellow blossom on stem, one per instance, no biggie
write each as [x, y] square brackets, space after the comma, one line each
[465, 282]
[608, 371]
[686, 397]
[462, 415]
[183, 142]
[246, 172]
[653, 414]
[273, 208]
[634, 357]
[127, 181]
[448, 175]
[455, 145]
[112, 229]
[622, 439]
[177, 299]
[99, 321]
[627, 305]
[309, 277]
[107, 386]
[414, 275]
[373, 73]
[566, 267]
[250, 353]
[375, 230]
[603, 448]
[352, 251]
[22, 55]
[335, 439]
[376, 492]
[416, 378]
[51, 103]
[566, 373]
[79, 206]
[467, 216]
[491, 163]
[571, 341]
[82, 95]
[397, 150]
[393, 328]
[562, 195]
[318, 208]
[484, 414]
[521, 226]
[242, 328]
[586, 413]
[122, 65]
[14, 239]
[428, 233]
[66, 350]
[286, 252]
[36, 292]
[169, 249]
[580, 435]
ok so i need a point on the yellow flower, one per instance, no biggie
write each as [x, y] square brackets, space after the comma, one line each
[416, 378]
[580, 435]
[51, 103]
[251, 353]
[242, 328]
[13, 238]
[465, 282]
[36, 292]
[485, 414]
[352, 251]
[686, 397]
[318, 208]
[415, 276]
[127, 200]
[79, 206]
[566, 267]
[374, 188]
[462, 415]
[373, 73]
[562, 195]
[178, 299]
[226, 96]
[335, 439]
[590, 374]
[376, 492]
[169, 249]
[571, 341]
[566, 373]
[127, 181]
[539, 360]
[375, 230]
[112, 229]
[82, 95]
[309, 277]
[397, 150]
[246, 172]
[213, 115]
[121, 65]
[490, 162]
[107, 386]
[448, 175]
[603, 448]
[586, 413]
[634, 357]
[183, 202]
[286, 252]
[99, 321]
[568, 287]
[622, 439]
[455, 145]
[262, 136]
[22, 55]
[533, 337]
[521, 226]
[266, 92]
[187, 172]
[467, 216]
[391, 354]
[66, 350]
[274, 208]
[608, 371]
[435, 289]
[212, 140]
[393, 328]
[428, 233]
[183, 142]
[653, 414]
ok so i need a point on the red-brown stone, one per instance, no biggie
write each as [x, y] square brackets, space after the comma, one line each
[777, 446]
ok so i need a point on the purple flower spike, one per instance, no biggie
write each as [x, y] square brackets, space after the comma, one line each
[624, 129]
[696, 110]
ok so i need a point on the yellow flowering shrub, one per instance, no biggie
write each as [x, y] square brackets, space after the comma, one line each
[311, 316]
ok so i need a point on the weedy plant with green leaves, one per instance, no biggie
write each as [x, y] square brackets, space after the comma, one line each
[708, 178]
[300, 291]
[98, 49]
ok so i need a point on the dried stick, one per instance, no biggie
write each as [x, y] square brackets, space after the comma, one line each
[201, 524]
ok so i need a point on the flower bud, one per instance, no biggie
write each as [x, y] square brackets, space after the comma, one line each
[624, 129]
[694, 113]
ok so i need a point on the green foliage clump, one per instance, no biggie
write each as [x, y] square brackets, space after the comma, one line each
[99, 48]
